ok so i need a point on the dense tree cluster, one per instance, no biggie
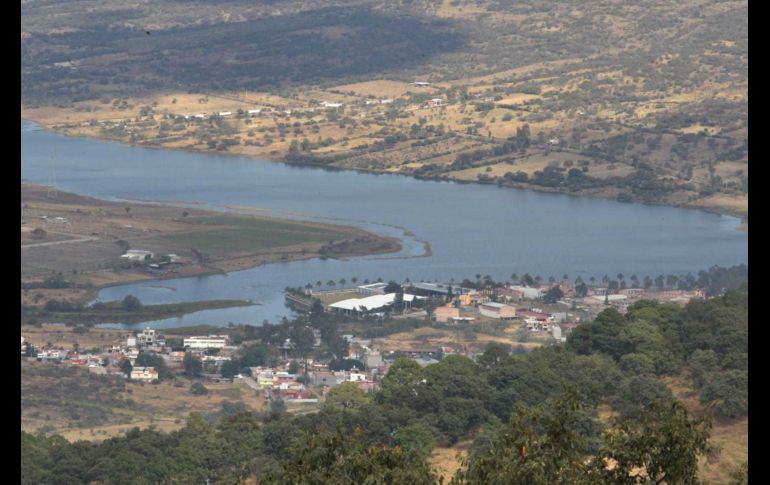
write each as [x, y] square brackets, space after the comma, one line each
[386, 436]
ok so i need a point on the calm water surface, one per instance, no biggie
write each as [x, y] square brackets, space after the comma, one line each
[471, 228]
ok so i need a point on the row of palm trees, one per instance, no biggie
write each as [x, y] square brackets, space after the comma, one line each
[660, 281]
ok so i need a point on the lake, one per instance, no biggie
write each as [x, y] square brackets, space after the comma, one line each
[472, 229]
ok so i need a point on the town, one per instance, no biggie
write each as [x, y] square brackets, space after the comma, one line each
[539, 315]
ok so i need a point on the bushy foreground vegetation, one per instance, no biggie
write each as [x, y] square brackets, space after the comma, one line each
[533, 416]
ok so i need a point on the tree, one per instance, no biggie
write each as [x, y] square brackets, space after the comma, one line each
[729, 391]
[493, 356]
[125, 366]
[302, 337]
[637, 393]
[401, 383]
[546, 444]
[581, 290]
[393, 287]
[346, 396]
[430, 306]
[253, 356]
[540, 445]
[346, 364]
[229, 369]
[398, 302]
[340, 457]
[553, 294]
[192, 365]
[130, 303]
[198, 389]
[663, 442]
[146, 359]
[277, 407]
[417, 438]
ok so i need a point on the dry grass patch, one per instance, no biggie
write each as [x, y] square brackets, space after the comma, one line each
[445, 461]
[63, 337]
[730, 436]
[734, 204]
[518, 98]
[380, 88]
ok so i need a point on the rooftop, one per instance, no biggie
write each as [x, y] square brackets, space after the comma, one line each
[370, 302]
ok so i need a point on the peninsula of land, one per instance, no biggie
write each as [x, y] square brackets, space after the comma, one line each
[71, 245]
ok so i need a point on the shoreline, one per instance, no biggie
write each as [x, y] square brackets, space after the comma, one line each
[358, 242]
[741, 226]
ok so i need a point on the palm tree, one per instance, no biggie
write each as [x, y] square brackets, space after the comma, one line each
[354, 280]
[620, 276]
[671, 280]
[592, 280]
[565, 277]
[318, 283]
[634, 281]
[331, 283]
[343, 281]
[514, 277]
[366, 281]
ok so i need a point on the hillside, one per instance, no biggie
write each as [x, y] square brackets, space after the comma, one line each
[640, 102]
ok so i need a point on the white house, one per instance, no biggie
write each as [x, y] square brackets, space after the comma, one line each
[146, 337]
[144, 373]
[209, 342]
[224, 113]
[527, 292]
[497, 310]
[138, 255]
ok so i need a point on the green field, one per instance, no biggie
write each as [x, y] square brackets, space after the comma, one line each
[220, 236]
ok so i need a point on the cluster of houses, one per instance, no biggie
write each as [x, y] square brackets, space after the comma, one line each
[146, 340]
[280, 383]
[509, 302]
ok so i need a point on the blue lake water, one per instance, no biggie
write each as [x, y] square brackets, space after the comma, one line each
[472, 229]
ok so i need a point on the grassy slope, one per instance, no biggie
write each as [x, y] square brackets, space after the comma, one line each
[671, 67]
